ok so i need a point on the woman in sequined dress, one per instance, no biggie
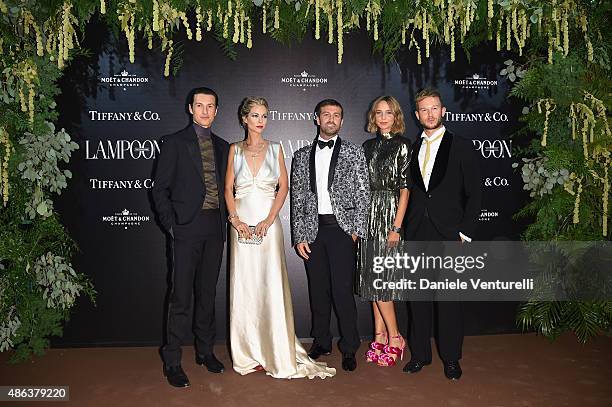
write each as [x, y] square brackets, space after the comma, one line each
[388, 158]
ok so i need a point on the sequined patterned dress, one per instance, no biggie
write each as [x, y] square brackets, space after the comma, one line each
[388, 158]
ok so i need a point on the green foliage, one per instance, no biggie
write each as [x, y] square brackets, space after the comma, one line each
[58, 281]
[38, 323]
[8, 330]
[393, 18]
[538, 179]
[559, 214]
[226, 44]
[22, 242]
[295, 24]
[40, 166]
[552, 318]
[35, 298]
[565, 81]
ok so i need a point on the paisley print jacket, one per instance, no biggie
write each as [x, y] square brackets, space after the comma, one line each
[348, 186]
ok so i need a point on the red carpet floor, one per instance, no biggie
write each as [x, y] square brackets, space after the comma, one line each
[499, 370]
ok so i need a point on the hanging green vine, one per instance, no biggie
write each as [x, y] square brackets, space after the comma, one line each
[567, 168]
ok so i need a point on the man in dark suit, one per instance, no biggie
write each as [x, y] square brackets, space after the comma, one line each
[445, 202]
[188, 196]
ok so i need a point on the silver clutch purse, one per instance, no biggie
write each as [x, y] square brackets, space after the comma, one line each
[254, 239]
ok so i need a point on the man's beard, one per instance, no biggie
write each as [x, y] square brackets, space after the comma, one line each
[435, 126]
[324, 130]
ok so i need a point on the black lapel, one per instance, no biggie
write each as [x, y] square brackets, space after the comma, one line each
[415, 170]
[219, 161]
[441, 163]
[333, 162]
[313, 168]
[193, 148]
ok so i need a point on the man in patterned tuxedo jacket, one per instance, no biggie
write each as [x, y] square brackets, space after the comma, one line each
[330, 194]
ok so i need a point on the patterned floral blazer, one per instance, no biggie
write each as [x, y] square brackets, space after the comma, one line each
[348, 186]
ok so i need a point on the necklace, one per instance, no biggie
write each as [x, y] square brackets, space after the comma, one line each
[255, 152]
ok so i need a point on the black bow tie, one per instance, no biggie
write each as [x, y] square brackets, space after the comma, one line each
[323, 144]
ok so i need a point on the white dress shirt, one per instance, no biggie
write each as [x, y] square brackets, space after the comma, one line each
[322, 162]
[433, 152]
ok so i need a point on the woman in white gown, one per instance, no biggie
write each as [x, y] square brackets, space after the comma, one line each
[262, 332]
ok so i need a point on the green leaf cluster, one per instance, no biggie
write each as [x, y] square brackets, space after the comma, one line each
[566, 81]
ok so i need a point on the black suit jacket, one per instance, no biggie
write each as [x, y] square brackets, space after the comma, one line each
[453, 199]
[179, 190]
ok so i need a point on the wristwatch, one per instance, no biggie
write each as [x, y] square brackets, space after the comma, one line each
[395, 229]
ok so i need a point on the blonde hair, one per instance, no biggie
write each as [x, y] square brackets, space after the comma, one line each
[247, 104]
[398, 123]
[425, 93]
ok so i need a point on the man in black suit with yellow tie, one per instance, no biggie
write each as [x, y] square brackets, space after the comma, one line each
[445, 202]
[188, 197]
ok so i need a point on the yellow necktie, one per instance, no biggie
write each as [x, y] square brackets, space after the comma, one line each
[427, 153]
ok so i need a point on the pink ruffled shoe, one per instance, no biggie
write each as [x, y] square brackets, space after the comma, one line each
[371, 355]
[387, 358]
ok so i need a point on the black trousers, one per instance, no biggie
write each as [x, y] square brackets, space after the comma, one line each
[331, 271]
[197, 251]
[448, 318]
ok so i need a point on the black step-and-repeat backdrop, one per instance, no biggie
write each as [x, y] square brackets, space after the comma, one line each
[117, 112]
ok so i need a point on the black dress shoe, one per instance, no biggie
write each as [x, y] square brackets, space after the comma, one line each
[414, 366]
[212, 364]
[349, 363]
[317, 350]
[452, 370]
[176, 376]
